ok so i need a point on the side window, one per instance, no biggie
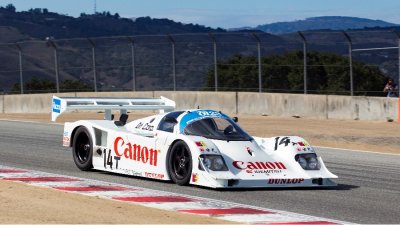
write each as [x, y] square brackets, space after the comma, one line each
[169, 121]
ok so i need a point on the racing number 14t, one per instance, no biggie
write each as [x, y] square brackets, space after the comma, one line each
[108, 159]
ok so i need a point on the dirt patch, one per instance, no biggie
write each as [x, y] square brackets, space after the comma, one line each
[21, 203]
[349, 134]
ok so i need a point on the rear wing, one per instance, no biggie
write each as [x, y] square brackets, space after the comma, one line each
[61, 105]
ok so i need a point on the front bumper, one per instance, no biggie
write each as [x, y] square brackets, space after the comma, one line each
[268, 183]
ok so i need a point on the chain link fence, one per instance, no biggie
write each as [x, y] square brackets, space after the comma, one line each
[190, 62]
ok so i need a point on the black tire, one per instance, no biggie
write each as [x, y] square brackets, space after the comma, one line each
[179, 163]
[82, 149]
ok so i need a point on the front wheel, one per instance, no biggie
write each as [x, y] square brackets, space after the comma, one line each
[82, 149]
[179, 163]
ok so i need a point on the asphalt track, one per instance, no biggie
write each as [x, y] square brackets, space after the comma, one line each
[368, 190]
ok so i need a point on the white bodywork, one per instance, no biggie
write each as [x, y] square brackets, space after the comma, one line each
[139, 148]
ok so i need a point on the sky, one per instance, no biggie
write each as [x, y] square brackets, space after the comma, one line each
[222, 13]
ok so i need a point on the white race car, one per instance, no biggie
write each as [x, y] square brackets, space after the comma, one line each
[199, 147]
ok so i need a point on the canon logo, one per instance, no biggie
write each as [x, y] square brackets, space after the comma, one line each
[135, 152]
[258, 165]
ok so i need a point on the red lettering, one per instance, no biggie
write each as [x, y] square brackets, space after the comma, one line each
[116, 145]
[153, 157]
[261, 165]
[144, 154]
[270, 165]
[237, 163]
[251, 166]
[135, 152]
[258, 165]
[280, 165]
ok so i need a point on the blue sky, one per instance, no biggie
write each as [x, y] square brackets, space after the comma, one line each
[223, 13]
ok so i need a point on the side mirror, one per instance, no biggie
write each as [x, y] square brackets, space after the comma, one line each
[235, 119]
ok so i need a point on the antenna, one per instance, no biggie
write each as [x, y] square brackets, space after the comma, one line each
[95, 6]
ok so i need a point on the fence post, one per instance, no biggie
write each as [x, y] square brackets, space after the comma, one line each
[350, 61]
[398, 80]
[304, 60]
[55, 63]
[133, 63]
[93, 64]
[398, 83]
[215, 61]
[259, 62]
[173, 61]
[21, 77]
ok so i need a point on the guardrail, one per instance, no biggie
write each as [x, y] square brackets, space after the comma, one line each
[274, 104]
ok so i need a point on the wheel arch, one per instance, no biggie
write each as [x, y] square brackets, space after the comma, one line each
[90, 130]
[167, 155]
[186, 178]
[73, 134]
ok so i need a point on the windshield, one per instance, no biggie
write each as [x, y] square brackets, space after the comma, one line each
[217, 128]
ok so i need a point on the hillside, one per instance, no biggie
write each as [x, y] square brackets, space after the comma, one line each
[40, 23]
[323, 23]
[192, 45]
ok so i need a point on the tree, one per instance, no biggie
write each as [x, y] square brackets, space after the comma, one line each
[74, 85]
[327, 73]
[11, 8]
[36, 85]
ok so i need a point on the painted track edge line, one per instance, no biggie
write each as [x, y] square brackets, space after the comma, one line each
[282, 213]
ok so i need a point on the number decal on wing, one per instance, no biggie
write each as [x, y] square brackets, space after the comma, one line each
[284, 140]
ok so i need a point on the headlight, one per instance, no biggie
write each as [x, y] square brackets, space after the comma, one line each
[308, 161]
[218, 164]
[303, 162]
[313, 163]
[207, 162]
[212, 162]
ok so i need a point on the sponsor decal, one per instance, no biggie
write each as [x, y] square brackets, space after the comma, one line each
[248, 149]
[259, 167]
[140, 124]
[135, 152]
[145, 126]
[286, 181]
[195, 178]
[201, 145]
[154, 175]
[132, 172]
[56, 105]
[66, 139]
[198, 115]
[302, 143]
[299, 146]
[148, 127]
[208, 113]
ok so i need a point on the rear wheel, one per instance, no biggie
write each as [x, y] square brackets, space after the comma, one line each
[179, 162]
[82, 149]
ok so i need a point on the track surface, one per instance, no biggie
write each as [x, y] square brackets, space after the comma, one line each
[368, 191]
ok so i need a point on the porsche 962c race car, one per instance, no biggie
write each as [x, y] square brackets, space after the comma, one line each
[198, 146]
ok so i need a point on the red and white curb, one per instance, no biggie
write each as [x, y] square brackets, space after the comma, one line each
[160, 199]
